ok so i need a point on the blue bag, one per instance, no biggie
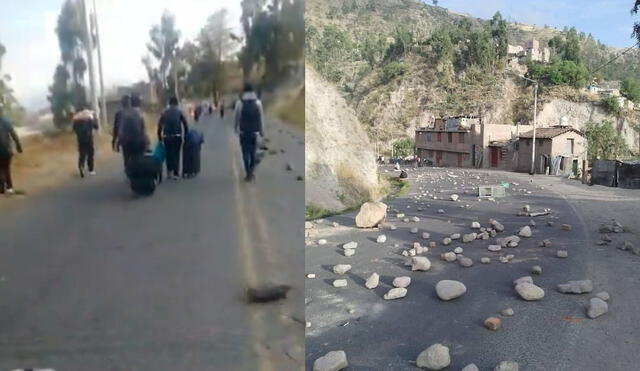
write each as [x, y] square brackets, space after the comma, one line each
[160, 152]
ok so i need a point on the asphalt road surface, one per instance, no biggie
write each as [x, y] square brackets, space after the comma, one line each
[551, 334]
[93, 277]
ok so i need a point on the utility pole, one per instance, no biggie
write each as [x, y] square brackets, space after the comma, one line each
[535, 121]
[103, 107]
[89, 37]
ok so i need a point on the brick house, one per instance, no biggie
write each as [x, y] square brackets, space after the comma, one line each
[561, 149]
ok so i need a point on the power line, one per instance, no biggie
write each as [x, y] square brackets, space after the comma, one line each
[616, 57]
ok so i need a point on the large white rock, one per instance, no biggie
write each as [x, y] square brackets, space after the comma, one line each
[529, 291]
[525, 231]
[381, 239]
[507, 366]
[494, 248]
[402, 282]
[449, 289]
[396, 293]
[420, 263]
[576, 287]
[350, 245]
[340, 283]
[436, 357]
[475, 225]
[373, 281]
[341, 268]
[525, 279]
[371, 214]
[597, 307]
[332, 361]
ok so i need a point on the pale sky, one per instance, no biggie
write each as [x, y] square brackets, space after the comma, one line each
[27, 29]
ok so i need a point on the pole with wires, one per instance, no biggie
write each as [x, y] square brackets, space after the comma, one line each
[103, 100]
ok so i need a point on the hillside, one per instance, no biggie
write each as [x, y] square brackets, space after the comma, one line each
[424, 61]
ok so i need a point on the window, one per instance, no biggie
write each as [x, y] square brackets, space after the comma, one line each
[569, 148]
[428, 137]
[450, 137]
[439, 137]
[461, 138]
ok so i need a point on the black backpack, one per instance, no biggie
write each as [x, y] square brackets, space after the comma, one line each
[250, 116]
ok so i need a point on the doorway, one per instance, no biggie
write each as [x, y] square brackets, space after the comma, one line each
[494, 156]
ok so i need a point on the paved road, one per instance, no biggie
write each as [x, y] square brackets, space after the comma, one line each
[94, 278]
[553, 334]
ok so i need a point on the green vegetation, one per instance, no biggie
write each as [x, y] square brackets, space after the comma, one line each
[9, 106]
[392, 70]
[630, 89]
[327, 50]
[559, 72]
[604, 142]
[396, 187]
[404, 147]
[611, 105]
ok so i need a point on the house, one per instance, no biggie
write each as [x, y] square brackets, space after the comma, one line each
[466, 141]
[559, 150]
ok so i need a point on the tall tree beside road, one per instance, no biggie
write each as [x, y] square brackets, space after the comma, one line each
[164, 48]
[8, 102]
[499, 34]
[636, 25]
[604, 142]
[216, 45]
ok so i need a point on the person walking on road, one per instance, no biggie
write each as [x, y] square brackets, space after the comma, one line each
[84, 123]
[7, 134]
[172, 128]
[248, 123]
[126, 103]
[132, 134]
[222, 109]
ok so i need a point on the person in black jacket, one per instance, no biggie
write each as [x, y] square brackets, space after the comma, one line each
[132, 135]
[126, 103]
[172, 128]
[248, 123]
[84, 123]
[7, 134]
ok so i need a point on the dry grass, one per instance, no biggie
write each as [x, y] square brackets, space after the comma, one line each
[290, 108]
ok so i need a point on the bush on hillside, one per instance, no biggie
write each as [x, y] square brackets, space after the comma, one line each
[393, 70]
[603, 142]
[611, 105]
[630, 89]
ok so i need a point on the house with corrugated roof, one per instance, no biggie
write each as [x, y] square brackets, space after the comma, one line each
[559, 150]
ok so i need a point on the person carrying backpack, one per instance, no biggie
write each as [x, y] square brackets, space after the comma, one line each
[249, 122]
[172, 129]
[132, 134]
[84, 123]
[7, 134]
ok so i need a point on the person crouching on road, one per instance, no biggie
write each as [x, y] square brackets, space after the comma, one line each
[84, 123]
[7, 134]
[172, 128]
[249, 122]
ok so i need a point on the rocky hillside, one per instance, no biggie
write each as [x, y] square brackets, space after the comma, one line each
[424, 61]
[340, 165]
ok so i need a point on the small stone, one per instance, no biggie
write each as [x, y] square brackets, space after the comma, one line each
[322, 242]
[412, 252]
[529, 291]
[497, 225]
[567, 227]
[405, 253]
[308, 225]
[308, 324]
[536, 269]
[400, 215]
[415, 219]
[550, 223]
[341, 268]
[332, 361]
[426, 235]
[597, 307]
[562, 254]
[470, 367]
[458, 250]
[395, 293]
[492, 323]
[454, 197]
[525, 231]
[436, 357]
[420, 263]
[526, 208]
[603, 295]
[350, 245]
[626, 245]
[349, 252]
[432, 244]
[508, 312]
[545, 243]
[483, 236]
[381, 238]
[576, 287]
[402, 282]
[449, 289]
[311, 275]
[373, 281]
[466, 238]
[494, 248]
[406, 220]
[455, 236]
[465, 262]
[475, 225]
[507, 366]
[446, 241]
[503, 259]
[510, 257]
[449, 256]
[485, 260]
[335, 224]
[440, 211]
[340, 283]
[525, 279]
[532, 223]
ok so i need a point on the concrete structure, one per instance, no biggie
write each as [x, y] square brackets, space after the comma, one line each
[561, 149]
[473, 144]
[531, 50]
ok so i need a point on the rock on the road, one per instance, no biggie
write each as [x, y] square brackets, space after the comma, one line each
[536, 269]
[449, 289]
[494, 248]
[373, 281]
[471, 367]
[446, 241]
[475, 225]
[597, 307]
[466, 238]
[455, 236]
[402, 282]
[426, 235]
[436, 357]
[562, 254]
[371, 214]
[349, 252]
[485, 260]
[449, 256]
[458, 250]
[576, 287]
[525, 231]
[322, 242]
[420, 263]
[603, 295]
[497, 225]
[508, 312]
[333, 361]
[529, 291]
[381, 238]
[465, 262]
[454, 197]
[493, 323]
[350, 245]
[507, 366]
[340, 283]
[396, 293]
[341, 268]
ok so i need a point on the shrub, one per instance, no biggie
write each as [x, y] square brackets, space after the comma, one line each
[393, 70]
[611, 105]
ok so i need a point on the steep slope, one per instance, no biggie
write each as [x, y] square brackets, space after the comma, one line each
[340, 165]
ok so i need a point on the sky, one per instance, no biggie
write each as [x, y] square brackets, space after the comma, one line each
[27, 30]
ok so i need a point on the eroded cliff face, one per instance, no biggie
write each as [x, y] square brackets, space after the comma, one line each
[340, 162]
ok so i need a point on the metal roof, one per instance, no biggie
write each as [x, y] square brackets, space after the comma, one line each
[547, 133]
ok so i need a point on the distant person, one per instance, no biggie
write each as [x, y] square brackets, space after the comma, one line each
[172, 128]
[197, 113]
[221, 109]
[7, 135]
[397, 166]
[191, 153]
[132, 134]
[210, 109]
[249, 122]
[125, 101]
[84, 123]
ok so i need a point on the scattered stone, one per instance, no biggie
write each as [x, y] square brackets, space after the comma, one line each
[341, 268]
[545, 243]
[529, 291]
[349, 252]
[485, 260]
[497, 226]
[449, 289]
[406, 220]
[483, 236]
[465, 262]
[508, 312]
[492, 323]
[550, 223]
[381, 239]
[626, 245]
[455, 236]
[449, 256]
[493, 233]
[412, 252]
[322, 242]
[400, 215]
[340, 283]
[597, 307]
[402, 282]
[373, 281]
[494, 248]
[432, 244]
[440, 211]
[576, 287]
[536, 269]
[335, 224]
[395, 293]
[466, 238]
[507, 366]
[405, 253]
[475, 225]
[525, 279]
[426, 235]
[350, 245]
[446, 241]
[392, 227]
[436, 357]
[308, 225]
[503, 259]
[562, 254]
[371, 214]
[454, 197]
[603, 295]
[471, 367]
[414, 230]
[511, 241]
[415, 219]
[532, 223]
[510, 257]
[420, 263]
[311, 275]
[332, 361]
[526, 208]
[525, 231]
[458, 250]
[567, 227]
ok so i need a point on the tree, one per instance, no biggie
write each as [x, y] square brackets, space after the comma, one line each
[571, 47]
[216, 45]
[435, 3]
[499, 34]
[372, 49]
[636, 25]
[603, 142]
[8, 103]
[402, 42]
[630, 89]
[164, 47]
[441, 44]
[404, 147]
